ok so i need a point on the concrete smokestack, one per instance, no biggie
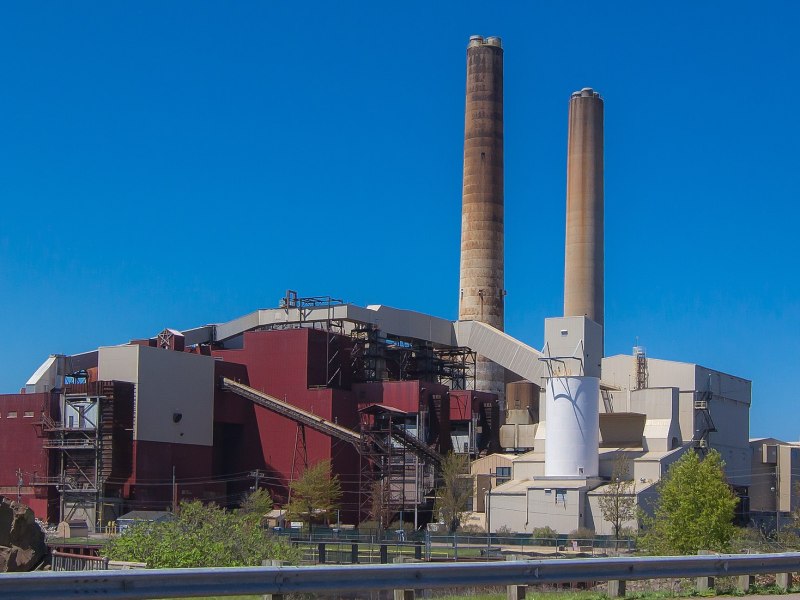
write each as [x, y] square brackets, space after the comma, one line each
[482, 270]
[583, 265]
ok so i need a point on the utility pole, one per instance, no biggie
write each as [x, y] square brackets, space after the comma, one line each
[174, 492]
[101, 500]
[19, 484]
[256, 475]
[777, 495]
[488, 509]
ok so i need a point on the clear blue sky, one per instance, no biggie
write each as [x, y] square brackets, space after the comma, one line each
[175, 164]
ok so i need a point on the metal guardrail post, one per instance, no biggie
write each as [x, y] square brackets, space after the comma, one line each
[321, 554]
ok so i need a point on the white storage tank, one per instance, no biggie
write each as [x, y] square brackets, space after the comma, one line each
[573, 427]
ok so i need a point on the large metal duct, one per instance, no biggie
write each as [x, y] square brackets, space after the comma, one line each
[583, 265]
[482, 272]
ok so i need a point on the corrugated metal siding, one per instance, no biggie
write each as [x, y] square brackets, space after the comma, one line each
[21, 448]
[153, 461]
[282, 363]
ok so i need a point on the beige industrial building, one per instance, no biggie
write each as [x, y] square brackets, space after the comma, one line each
[775, 472]
[487, 473]
[650, 412]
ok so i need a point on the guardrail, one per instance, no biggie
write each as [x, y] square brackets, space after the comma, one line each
[176, 583]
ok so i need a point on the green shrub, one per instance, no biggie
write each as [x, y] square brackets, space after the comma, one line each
[471, 529]
[544, 533]
[581, 533]
[201, 536]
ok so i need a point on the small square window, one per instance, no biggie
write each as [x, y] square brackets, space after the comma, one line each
[28, 414]
[12, 414]
[503, 475]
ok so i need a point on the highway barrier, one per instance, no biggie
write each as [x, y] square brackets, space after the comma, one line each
[176, 583]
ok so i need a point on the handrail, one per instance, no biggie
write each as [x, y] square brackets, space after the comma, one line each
[175, 583]
[64, 561]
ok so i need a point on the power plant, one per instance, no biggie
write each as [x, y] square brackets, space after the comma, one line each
[384, 393]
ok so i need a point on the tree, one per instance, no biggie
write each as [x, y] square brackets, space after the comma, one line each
[618, 502]
[316, 495]
[455, 490]
[788, 536]
[795, 516]
[257, 505]
[694, 510]
[201, 536]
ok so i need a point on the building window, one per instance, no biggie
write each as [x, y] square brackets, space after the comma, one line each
[12, 414]
[561, 496]
[503, 475]
[28, 414]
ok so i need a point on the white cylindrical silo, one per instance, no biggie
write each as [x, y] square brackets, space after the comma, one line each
[572, 414]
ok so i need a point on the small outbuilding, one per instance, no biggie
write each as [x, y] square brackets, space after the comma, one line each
[72, 529]
[142, 516]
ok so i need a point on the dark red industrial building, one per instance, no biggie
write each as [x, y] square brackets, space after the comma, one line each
[212, 412]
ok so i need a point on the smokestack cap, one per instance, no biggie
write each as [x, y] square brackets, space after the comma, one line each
[586, 92]
[478, 40]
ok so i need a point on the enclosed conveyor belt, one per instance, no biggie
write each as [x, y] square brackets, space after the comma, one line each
[323, 425]
[501, 348]
[292, 412]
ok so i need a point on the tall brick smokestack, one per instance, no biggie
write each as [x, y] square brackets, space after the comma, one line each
[482, 270]
[583, 264]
